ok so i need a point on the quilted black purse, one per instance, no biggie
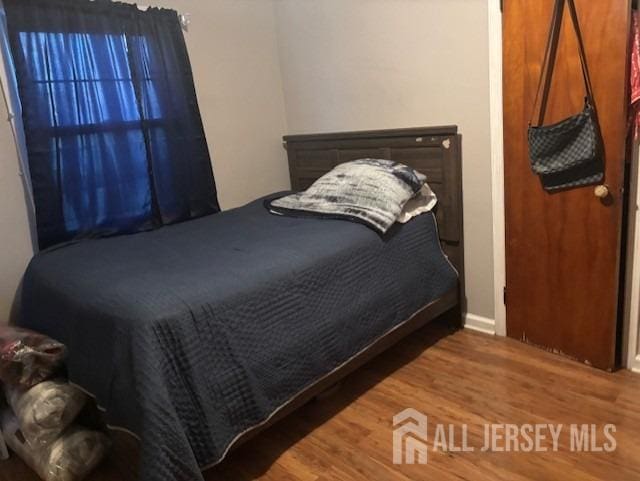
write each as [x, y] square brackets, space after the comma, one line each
[569, 153]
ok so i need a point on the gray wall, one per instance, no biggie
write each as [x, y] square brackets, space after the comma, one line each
[308, 66]
[233, 51]
[371, 64]
[15, 239]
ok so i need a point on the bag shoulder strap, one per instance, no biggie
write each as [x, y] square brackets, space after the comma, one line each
[546, 75]
[582, 51]
[548, 63]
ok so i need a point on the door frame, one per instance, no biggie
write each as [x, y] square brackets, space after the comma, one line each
[631, 327]
[497, 164]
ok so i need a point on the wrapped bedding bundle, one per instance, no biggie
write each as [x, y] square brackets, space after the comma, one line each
[70, 458]
[45, 410]
[26, 357]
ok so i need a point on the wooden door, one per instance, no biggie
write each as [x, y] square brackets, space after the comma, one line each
[563, 249]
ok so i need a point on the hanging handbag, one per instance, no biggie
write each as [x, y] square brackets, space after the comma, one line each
[568, 153]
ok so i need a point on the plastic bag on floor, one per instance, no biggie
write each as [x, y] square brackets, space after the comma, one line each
[45, 410]
[70, 458]
[4, 454]
[26, 357]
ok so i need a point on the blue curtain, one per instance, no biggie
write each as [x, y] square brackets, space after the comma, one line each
[112, 124]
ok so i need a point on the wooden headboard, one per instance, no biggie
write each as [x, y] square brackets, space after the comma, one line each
[434, 151]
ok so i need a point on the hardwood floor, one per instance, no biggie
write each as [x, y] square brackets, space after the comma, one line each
[456, 378]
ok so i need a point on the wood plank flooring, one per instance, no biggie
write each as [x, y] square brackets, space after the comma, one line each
[460, 377]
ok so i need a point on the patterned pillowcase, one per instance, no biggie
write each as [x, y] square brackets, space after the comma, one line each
[369, 191]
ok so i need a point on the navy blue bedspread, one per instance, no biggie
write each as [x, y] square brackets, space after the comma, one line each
[192, 334]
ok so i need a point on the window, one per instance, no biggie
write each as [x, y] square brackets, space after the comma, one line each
[89, 108]
[113, 131]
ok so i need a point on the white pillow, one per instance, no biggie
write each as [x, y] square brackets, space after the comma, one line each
[424, 201]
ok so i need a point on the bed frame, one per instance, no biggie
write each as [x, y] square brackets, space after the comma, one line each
[434, 151]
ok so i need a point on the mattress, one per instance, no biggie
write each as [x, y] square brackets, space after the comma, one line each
[190, 335]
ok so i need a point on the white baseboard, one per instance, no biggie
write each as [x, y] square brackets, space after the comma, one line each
[480, 324]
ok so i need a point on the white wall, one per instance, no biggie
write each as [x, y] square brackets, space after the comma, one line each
[234, 57]
[370, 64]
[233, 51]
[15, 239]
[309, 66]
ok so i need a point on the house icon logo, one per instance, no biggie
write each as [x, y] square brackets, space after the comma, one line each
[410, 437]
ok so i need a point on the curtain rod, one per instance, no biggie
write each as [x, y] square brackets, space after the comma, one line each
[185, 18]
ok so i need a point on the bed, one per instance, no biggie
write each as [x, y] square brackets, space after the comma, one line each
[196, 336]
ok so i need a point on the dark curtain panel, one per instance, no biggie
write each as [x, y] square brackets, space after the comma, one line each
[112, 124]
